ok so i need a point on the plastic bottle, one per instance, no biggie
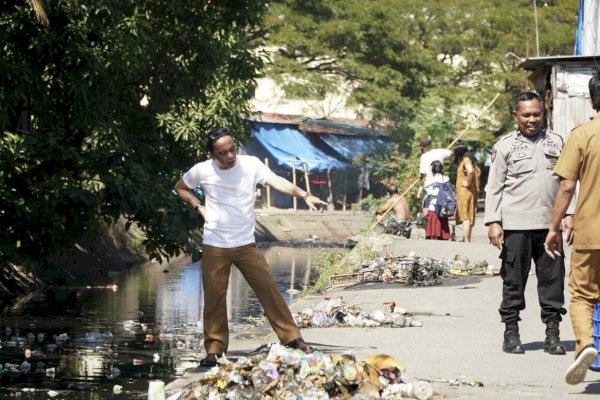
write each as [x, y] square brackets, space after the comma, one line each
[423, 390]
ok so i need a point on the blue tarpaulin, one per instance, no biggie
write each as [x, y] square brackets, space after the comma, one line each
[579, 30]
[290, 148]
[349, 147]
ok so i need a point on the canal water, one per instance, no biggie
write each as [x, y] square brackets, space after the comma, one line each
[109, 339]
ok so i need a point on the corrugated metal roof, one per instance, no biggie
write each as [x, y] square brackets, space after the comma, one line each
[273, 118]
[536, 62]
[332, 126]
[339, 128]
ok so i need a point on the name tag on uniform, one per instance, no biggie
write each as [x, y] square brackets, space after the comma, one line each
[518, 146]
[520, 155]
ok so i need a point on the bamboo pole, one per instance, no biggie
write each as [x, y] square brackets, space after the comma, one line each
[461, 133]
[305, 167]
[330, 205]
[294, 199]
[268, 187]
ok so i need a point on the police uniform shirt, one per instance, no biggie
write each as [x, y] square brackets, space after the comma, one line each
[521, 185]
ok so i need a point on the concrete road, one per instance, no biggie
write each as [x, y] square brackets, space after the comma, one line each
[461, 336]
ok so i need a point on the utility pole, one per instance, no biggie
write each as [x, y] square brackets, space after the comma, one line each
[537, 35]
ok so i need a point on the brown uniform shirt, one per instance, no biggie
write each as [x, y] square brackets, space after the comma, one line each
[580, 160]
[521, 185]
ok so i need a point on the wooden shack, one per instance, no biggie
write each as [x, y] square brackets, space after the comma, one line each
[563, 83]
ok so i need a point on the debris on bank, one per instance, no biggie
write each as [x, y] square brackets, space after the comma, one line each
[412, 270]
[333, 312]
[285, 373]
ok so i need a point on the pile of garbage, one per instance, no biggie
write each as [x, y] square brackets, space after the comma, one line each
[412, 270]
[333, 312]
[285, 373]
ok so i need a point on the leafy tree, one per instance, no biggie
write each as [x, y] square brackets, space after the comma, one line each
[424, 65]
[104, 106]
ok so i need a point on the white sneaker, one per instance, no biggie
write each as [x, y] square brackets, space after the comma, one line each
[577, 370]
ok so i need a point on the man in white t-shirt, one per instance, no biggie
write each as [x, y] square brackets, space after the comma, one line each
[229, 181]
[428, 156]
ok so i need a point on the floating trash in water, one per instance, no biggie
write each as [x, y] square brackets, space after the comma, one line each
[156, 390]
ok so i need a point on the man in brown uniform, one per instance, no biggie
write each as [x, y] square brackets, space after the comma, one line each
[580, 160]
[520, 193]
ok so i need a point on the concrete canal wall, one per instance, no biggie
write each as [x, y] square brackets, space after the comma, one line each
[276, 225]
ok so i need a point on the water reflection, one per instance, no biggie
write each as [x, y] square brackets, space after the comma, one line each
[141, 325]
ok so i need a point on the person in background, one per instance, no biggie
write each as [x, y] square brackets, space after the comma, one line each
[437, 227]
[467, 188]
[519, 195]
[429, 155]
[580, 161]
[397, 207]
[229, 181]
[396, 204]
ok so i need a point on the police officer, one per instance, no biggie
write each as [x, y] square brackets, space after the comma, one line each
[520, 195]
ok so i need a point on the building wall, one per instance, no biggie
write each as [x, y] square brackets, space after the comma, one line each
[270, 98]
[571, 103]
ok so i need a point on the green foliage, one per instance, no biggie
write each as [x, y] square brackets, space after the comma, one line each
[325, 264]
[78, 148]
[425, 66]
[90, 151]
[368, 203]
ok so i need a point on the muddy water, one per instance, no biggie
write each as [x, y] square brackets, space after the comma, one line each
[141, 325]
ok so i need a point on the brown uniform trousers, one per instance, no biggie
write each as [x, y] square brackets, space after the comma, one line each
[216, 268]
[584, 280]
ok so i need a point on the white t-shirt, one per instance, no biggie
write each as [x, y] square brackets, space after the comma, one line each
[229, 198]
[433, 191]
[431, 156]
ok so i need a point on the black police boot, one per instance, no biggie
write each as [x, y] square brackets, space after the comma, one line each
[512, 340]
[552, 344]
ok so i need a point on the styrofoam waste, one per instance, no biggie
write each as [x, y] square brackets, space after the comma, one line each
[327, 313]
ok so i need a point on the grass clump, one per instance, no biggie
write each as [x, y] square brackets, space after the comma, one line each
[329, 263]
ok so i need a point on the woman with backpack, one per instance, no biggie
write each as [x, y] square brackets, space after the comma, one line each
[437, 221]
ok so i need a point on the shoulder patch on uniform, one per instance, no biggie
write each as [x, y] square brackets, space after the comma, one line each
[494, 151]
[554, 135]
[508, 135]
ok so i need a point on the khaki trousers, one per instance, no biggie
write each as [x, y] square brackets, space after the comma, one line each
[216, 267]
[584, 286]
